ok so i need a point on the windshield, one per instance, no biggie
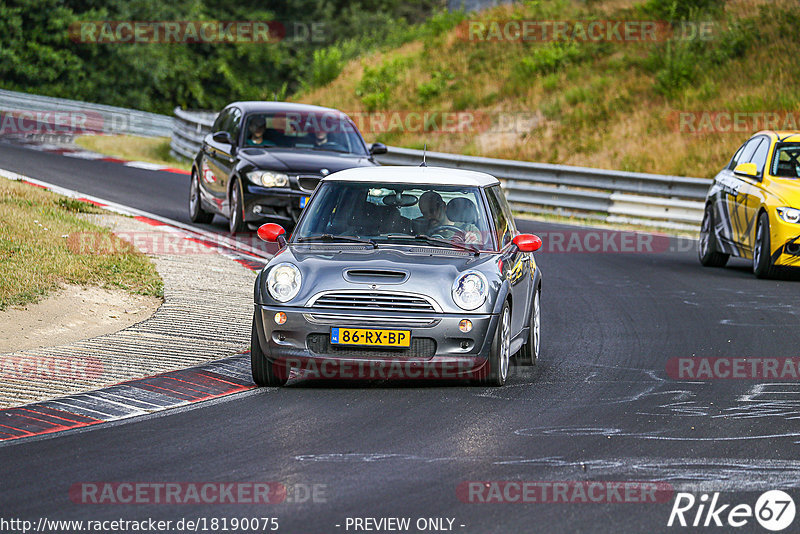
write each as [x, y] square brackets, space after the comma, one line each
[785, 161]
[324, 131]
[397, 213]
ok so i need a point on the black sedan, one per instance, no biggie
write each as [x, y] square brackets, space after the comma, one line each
[398, 272]
[264, 159]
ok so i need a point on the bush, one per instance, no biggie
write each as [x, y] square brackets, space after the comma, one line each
[376, 84]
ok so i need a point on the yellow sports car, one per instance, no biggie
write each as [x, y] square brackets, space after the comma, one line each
[753, 207]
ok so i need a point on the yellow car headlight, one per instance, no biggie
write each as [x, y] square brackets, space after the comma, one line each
[789, 215]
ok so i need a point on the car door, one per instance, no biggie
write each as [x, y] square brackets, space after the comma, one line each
[754, 194]
[733, 211]
[516, 264]
[219, 158]
[210, 168]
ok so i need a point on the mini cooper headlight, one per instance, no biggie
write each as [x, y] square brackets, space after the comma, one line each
[268, 178]
[283, 282]
[790, 215]
[470, 290]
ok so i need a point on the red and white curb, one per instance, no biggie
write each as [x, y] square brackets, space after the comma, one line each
[80, 153]
[129, 399]
[251, 257]
[147, 395]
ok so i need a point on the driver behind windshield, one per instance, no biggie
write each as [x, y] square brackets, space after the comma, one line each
[433, 213]
[257, 127]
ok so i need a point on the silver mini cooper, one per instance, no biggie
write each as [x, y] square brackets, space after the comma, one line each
[398, 272]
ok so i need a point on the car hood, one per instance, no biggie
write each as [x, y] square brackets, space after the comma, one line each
[302, 160]
[428, 271]
[786, 189]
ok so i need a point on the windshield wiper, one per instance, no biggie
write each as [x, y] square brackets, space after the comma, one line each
[437, 241]
[333, 238]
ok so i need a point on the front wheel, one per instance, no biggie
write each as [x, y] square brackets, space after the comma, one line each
[236, 221]
[762, 259]
[265, 371]
[500, 352]
[707, 244]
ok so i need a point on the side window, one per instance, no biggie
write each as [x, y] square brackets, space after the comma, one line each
[760, 155]
[233, 126]
[501, 220]
[748, 150]
[735, 160]
[219, 124]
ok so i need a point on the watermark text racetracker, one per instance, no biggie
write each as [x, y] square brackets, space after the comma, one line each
[565, 491]
[174, 493]
[727, 368]
[184, 524]
[47, 124]
[196, 31]
[614, 31]
[699, 122]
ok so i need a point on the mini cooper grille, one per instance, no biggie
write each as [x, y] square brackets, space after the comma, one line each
[421, 347]
[308, 183]
[372, 301]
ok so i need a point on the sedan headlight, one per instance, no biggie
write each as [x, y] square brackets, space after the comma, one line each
[268, 178]
[283, 282]
[790, 215]
[470, 290]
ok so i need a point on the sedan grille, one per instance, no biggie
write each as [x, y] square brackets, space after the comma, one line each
[308, 183]
[372, 301]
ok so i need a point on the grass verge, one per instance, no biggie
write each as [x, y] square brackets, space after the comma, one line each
[36, 256]
[149, 149]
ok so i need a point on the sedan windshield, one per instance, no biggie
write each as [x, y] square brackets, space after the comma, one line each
[431, 215]
[324, 131]
[786, 161]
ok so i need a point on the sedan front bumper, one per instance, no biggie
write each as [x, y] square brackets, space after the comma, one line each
[438, 350]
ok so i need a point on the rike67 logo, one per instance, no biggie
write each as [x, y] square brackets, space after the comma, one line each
[774, 510]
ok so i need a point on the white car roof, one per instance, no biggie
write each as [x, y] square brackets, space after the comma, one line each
[413, 175]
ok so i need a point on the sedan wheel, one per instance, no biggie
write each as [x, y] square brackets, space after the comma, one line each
[762, 260]
[235, 222]
[196, 212]
[707, 244]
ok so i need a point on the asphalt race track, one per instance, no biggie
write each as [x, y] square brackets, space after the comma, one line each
[600, 405]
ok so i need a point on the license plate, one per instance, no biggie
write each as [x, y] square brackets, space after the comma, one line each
[303, 201]
[368, 337]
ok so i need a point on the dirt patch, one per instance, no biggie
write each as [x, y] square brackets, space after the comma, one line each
[72, 314]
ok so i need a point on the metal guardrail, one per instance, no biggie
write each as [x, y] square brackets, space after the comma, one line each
[538, 188]
[84, 117]
[189, 128]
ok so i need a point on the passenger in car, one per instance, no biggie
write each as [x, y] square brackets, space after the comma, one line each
[464, 214]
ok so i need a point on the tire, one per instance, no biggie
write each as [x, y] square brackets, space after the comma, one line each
[265, 371]
[707, 244]
[762, 259]
[196, 212]
[529, 353]
[500, 352]
[236, 221]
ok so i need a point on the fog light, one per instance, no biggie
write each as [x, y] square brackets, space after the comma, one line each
[256, 209]
[280, 318]
[465, 325]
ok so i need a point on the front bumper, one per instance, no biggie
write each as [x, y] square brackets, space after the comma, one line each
[785, 241]
[439, 349]
[262, 203]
